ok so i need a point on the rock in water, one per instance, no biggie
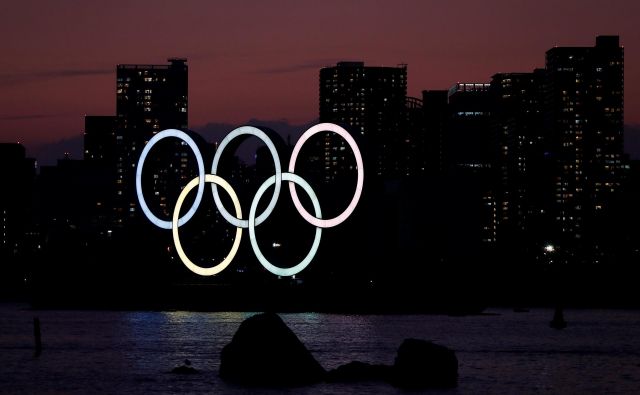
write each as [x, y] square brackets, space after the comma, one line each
[265, 352]
[185, 369]
[558, 321]
[423, 364]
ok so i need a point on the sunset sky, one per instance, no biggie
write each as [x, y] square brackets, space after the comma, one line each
[260, 59]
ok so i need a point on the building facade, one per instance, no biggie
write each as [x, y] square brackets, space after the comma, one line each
[371, 103]
[584, 115]
[435, 113]
[149, 99]
[100, 138]
[523, 169]
[470, 158]
[16, 214]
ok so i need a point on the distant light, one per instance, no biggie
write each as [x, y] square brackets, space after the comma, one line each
[276, 245]
[549, 248]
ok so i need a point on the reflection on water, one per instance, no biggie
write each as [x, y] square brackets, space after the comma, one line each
[115, 352]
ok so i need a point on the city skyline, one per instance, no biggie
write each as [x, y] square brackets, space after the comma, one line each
[543, 131]
[500, 169]
[52, 77]
[230, 196]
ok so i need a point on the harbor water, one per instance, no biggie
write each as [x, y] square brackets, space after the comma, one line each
[499, 352]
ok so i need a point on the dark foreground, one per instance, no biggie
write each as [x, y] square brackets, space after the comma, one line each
[498, 352]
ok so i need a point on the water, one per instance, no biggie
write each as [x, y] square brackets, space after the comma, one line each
[501, 353]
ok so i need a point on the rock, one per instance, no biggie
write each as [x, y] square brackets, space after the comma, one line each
[359, 371]
[423, 364]
[185, 369]
[558, 321]
[419, 364]
[265, 352]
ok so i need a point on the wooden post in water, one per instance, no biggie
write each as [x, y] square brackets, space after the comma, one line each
[36, 335]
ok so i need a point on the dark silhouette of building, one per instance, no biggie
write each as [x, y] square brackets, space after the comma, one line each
[469, 117]
[584, 118]
[16, 219]
[460, 173]
[100, 138]
[435, 112]
[150, 98]
[100, 161]
[70, 194]
[470, 160]
[412, 160]
[371, 102]
[84, 260]
[17, 176]
[523, 164]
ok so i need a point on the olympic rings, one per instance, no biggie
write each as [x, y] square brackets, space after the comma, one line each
[250, 130]
[327, 223]
[176, 237]
[184, 137]
[252, 221]
[294, 178]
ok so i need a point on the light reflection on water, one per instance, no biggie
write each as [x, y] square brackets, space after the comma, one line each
[116, 352]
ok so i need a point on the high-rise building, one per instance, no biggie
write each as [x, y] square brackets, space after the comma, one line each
[584, 118]
[469, 134]
[523, 171]
[17, 173]
[371, 103]
[100, 161]
[470, 148]
[150, 98]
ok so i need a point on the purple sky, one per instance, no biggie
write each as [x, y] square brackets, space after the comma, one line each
[260, 59]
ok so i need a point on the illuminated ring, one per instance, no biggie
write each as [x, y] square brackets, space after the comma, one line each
[327, 223]
[253, 131]
[208, 271]
[143, 204]
[294, 178]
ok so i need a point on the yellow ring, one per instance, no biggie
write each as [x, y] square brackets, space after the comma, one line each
[205, 271]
